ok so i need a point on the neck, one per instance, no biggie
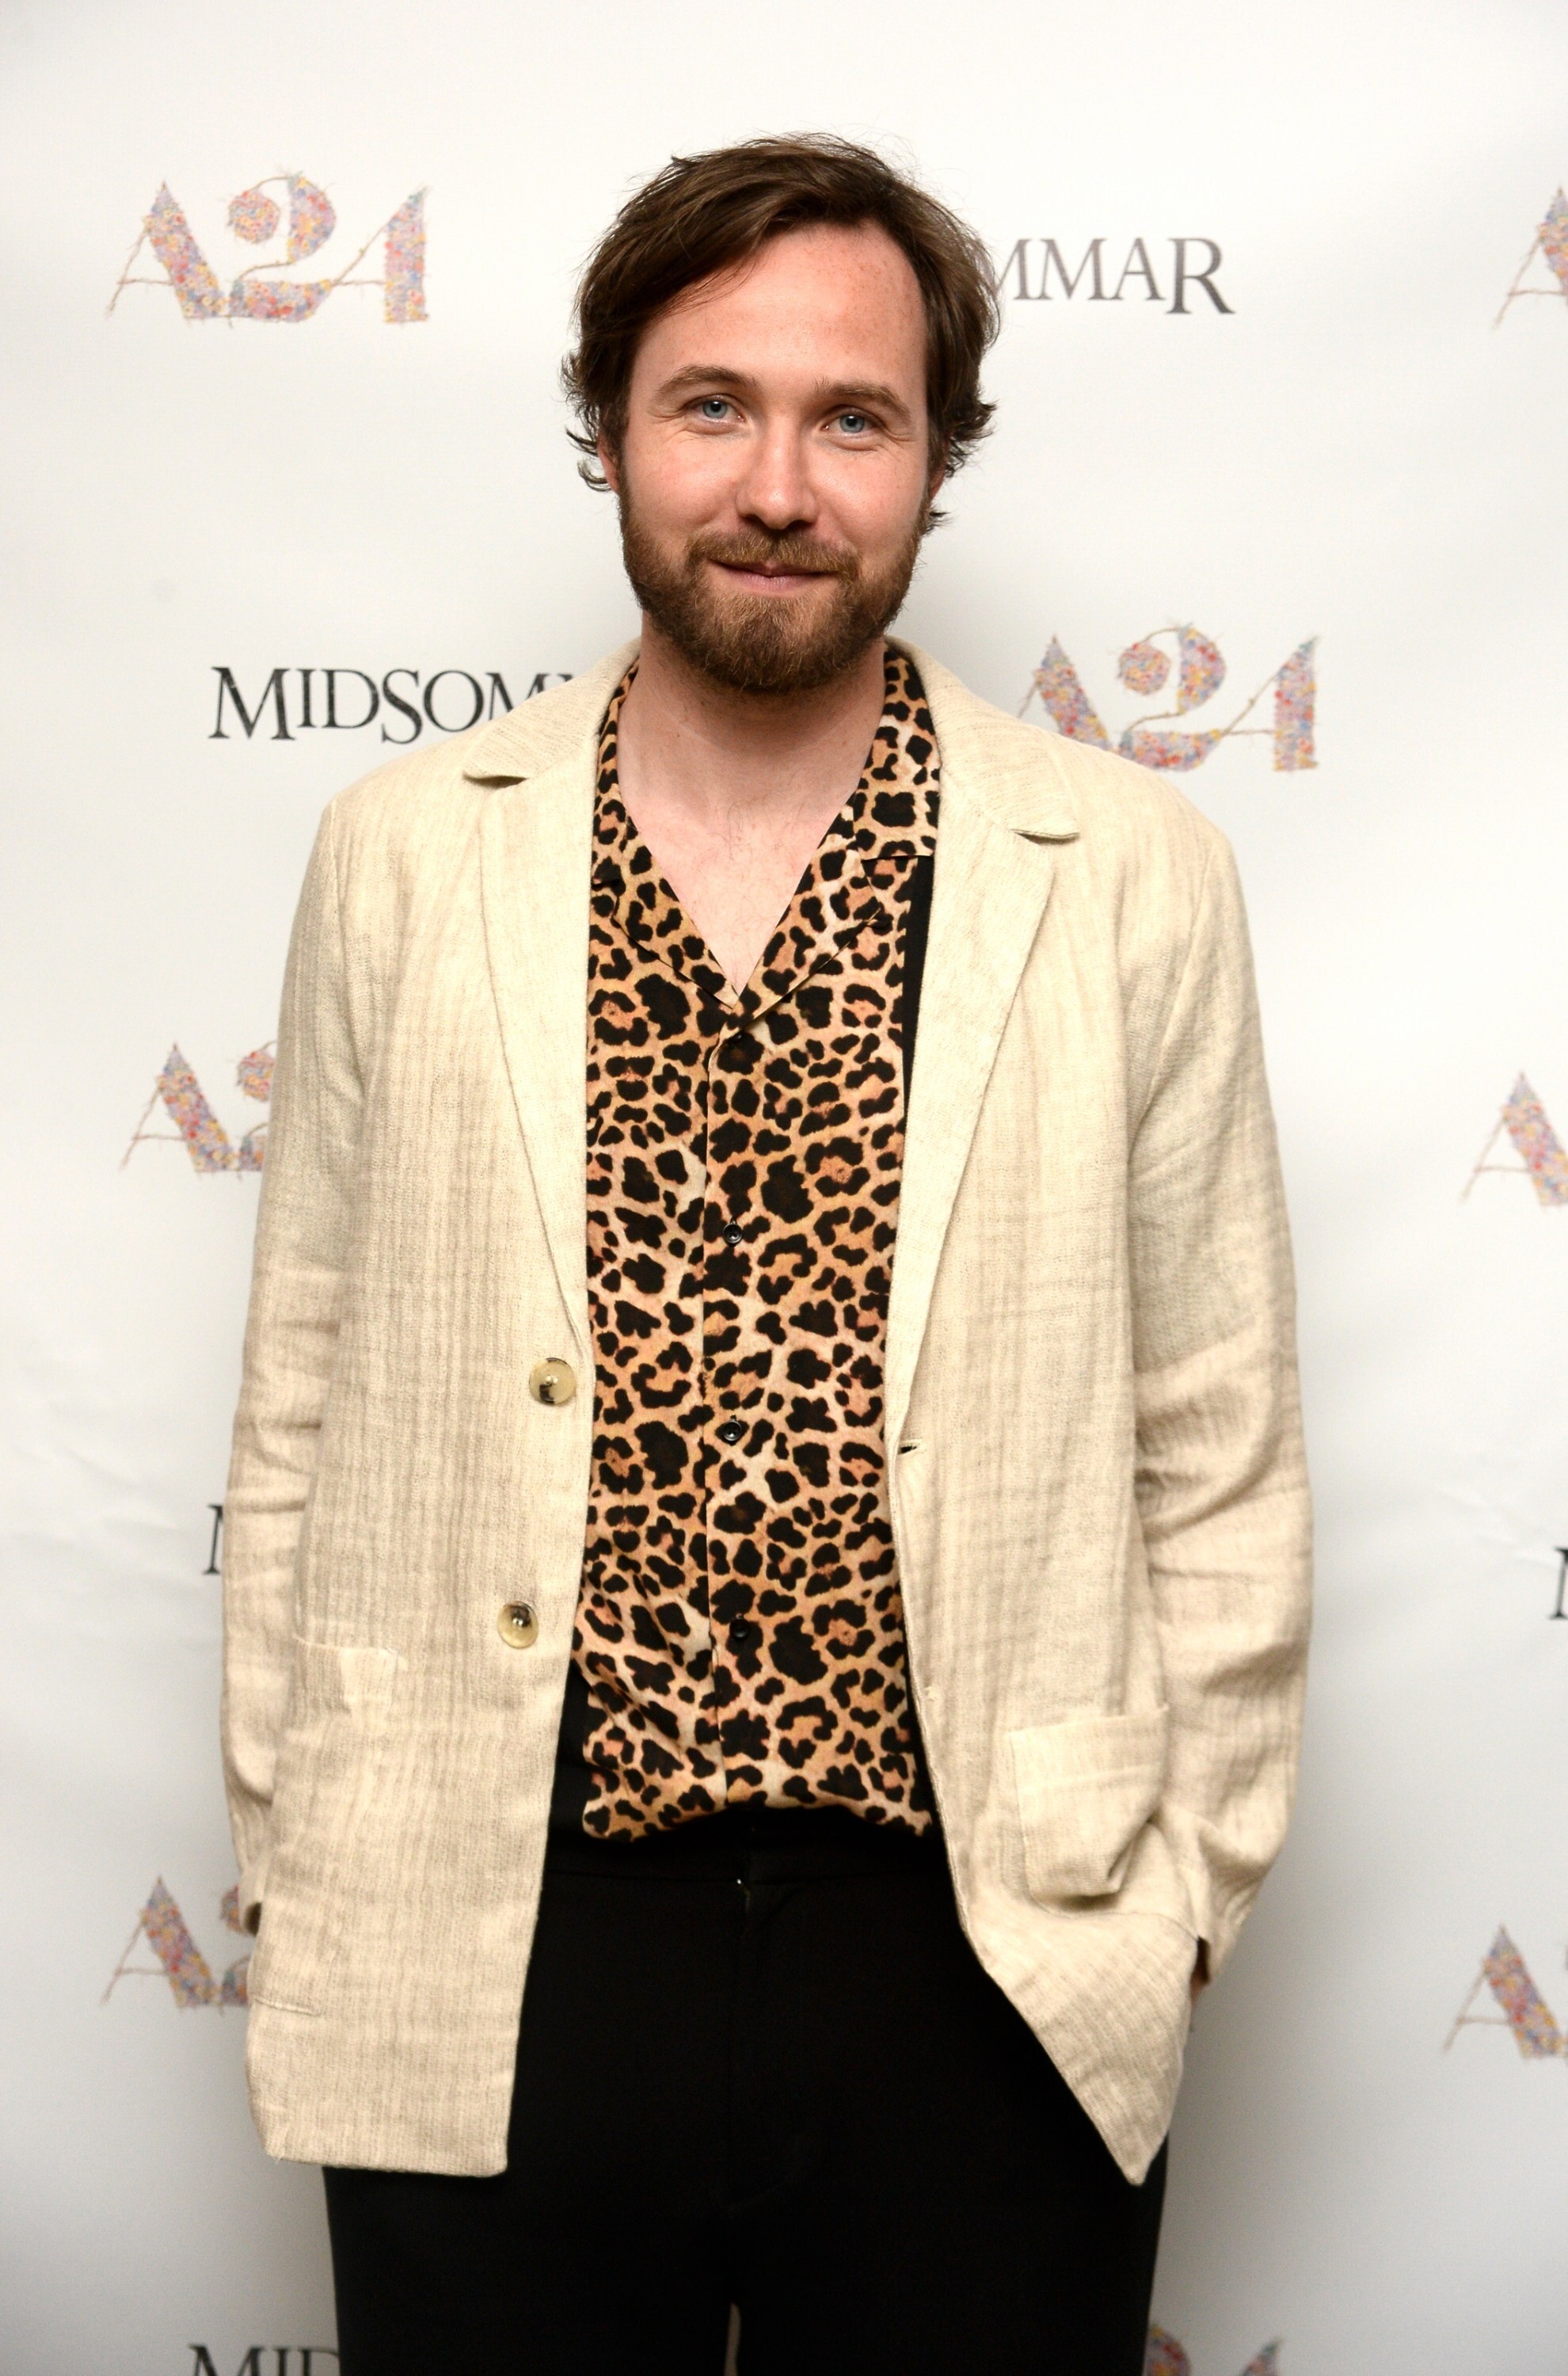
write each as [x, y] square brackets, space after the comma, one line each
[731, 759]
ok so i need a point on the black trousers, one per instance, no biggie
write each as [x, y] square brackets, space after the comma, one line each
[759, 2064]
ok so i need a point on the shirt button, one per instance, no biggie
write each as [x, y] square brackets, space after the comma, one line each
[517, 1625]
[552, 1382]
[734, 1235]
[732, 1431]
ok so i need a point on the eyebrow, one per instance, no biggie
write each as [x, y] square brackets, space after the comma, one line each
[871, 393]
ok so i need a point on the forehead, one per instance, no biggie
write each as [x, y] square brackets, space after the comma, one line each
[827, 300]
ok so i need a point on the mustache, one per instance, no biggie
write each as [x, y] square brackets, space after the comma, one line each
[804, 554]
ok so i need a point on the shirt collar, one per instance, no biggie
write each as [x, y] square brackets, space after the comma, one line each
[889, 822]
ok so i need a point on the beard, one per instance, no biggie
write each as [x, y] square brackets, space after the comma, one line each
[766, 643]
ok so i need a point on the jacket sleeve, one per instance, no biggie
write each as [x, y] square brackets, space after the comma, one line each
[1221, 1475]
[291, 1336]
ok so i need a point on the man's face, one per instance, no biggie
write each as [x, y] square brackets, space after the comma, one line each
[775, 475]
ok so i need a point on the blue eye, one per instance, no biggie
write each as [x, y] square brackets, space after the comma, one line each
[853, 422]
[714, 407]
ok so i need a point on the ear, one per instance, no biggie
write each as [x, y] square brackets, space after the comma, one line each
[610, 464]
[938, 479]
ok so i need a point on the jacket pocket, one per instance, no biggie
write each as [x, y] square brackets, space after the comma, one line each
[1085, 1788]
[327, 1766]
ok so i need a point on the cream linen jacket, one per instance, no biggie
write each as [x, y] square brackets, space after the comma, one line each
[1096, 1471]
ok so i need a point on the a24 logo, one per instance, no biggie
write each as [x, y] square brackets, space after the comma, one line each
[1550, 245]
[184, 1100]
[192, 1980]
[255, 294]
[1145, 668]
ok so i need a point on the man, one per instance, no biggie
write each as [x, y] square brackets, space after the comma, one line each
[767, 1554]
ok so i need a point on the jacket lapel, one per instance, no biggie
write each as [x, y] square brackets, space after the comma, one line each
[537, 764]
[1002, 805]
[989, 895]
[535, 849]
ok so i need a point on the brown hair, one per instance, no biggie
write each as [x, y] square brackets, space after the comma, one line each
[702, 214]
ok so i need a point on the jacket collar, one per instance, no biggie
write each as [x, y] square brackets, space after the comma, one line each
[554, 726]
[1013, 773]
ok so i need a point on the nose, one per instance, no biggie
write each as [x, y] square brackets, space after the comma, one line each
[776, 490]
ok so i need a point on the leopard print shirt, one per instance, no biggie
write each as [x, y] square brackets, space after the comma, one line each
[740, 1625]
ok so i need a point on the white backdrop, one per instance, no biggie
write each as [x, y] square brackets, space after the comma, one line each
[1356, 451]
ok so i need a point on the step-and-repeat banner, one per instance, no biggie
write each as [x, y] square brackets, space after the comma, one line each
[1275, 503]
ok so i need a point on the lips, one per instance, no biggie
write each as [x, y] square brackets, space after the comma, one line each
[791, 565]
[756, 577]
[752, 569]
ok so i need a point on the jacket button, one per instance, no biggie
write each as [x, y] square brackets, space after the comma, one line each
[517, 1625]
[552, 1382]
